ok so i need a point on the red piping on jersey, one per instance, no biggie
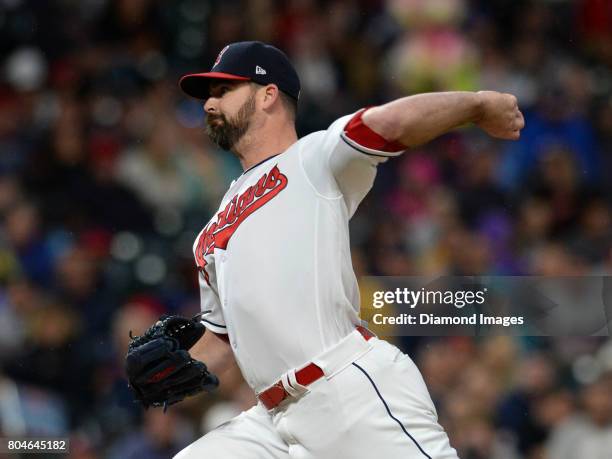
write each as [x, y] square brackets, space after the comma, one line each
[364, 136]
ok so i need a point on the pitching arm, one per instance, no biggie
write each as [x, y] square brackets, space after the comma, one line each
[417, 119]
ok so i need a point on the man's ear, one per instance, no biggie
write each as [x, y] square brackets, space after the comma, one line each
[270, 95]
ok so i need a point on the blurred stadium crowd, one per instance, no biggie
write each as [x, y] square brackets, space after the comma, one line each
[106, 177]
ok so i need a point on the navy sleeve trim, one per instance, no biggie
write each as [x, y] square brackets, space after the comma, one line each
[363, 151]
[389, 411]
[214, 324]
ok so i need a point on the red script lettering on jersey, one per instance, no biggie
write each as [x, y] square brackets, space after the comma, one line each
[218, 233]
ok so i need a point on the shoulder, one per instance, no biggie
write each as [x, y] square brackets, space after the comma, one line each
[334, 131]
[309, 139]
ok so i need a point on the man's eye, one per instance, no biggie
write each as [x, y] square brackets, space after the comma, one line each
[219, 91]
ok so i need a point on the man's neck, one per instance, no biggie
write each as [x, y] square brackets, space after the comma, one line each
[260, 145]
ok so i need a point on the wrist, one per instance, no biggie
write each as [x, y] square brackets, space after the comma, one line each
[479, 107]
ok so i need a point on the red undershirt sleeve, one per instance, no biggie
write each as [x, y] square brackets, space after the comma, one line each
[365, 140]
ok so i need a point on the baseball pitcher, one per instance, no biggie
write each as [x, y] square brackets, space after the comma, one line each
[278, 292]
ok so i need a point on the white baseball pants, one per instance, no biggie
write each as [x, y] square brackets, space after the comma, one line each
[371, 402]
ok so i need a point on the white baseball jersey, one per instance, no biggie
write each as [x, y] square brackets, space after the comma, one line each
[276, 276]
[274, 263]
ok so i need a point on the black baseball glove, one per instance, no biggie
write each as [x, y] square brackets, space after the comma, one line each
[158, 365]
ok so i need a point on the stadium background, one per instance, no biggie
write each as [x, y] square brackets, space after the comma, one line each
[106, 176]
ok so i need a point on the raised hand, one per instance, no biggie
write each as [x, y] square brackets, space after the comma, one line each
[500, 115]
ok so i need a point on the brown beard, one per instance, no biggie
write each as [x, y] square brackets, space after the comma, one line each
[227, 133]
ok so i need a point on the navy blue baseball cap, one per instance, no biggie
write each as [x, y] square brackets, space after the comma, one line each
[246, 61]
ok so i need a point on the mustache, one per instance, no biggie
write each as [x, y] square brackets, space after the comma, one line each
[211, 119]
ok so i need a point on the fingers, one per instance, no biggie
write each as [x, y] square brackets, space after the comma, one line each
[521, 120]
[512, 99]
[507, 135]
[518, 121]
[502, 119]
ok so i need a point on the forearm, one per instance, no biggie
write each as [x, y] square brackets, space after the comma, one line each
[417, 119]
[213, 351]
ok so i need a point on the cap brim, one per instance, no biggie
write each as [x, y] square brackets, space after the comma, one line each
[193, 86]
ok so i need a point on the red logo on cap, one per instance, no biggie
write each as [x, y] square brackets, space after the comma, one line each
[220, 55]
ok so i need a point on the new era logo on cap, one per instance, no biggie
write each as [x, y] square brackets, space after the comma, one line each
[246, 61]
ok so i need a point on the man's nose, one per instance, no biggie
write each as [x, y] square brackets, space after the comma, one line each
[210, 106]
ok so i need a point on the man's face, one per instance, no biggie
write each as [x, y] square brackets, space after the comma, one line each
[229, 110]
